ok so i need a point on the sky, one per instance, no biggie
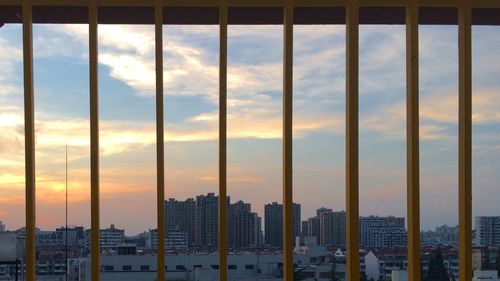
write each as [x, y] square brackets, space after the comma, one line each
[127, 120]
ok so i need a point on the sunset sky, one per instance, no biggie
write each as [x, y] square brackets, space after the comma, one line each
[127, 120]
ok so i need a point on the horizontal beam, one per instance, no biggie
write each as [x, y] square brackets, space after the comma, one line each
[254, 3]
[243, 15]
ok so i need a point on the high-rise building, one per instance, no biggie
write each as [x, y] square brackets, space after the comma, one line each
[487, 230]
[206, 221]
[325, 219]
[331, 227]
[274, 223]
[327, 226]
[2, 226]
[378, 231]
[180, 216]
[244, 226]
[313, 228]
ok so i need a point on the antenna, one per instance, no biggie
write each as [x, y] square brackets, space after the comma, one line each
[67, 263]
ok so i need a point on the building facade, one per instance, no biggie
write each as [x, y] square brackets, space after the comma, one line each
[244, 226]
[109, 238]
[180, 216]
[273, 214]
[206, 221]
[487, 230]
[174, 240]
[378, 231]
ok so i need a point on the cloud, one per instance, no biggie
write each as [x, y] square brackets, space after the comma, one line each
[10, 56]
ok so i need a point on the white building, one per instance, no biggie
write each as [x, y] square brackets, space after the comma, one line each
[174, 240]
[490, 275]
[204, 267]
[487, 231]
[399, 275]
[109, 238]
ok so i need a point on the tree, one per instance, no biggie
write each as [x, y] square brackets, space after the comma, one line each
[436, 270]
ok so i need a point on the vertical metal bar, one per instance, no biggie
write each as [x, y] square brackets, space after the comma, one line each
[412, 140]
[287, 142]
[352, 158]
[160, 151]
[465, 140]
[94, 141]
[29, 133]
[223, 10]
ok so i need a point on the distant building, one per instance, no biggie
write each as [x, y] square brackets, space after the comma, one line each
[76, 235]
[382, 231]
[311, 228]
[274, 223]
[2, 226]
[442, 235]
[174, 240]
[482, 255]
[487, 231]
[180, 216]
[109, 238]
[244, 226]
[47, 238]
[139, 240]
[331, 227]
[206, 221]
[490, 275]
[312, 264]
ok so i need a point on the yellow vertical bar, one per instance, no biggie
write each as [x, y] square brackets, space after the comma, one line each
[412, 139]
[287, 142]
[465, 140]
[29, 133]
[94, 141]
[223, 11]
[352, 165]
[160, 166]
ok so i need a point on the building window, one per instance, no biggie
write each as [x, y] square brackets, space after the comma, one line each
[196, 266]
[127, 268]
[214, 266]
[232, 267]
[249, 266]
[180, 267]
[109, 268]
[144, 267]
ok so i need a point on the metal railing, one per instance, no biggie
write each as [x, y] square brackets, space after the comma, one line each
[286, 12]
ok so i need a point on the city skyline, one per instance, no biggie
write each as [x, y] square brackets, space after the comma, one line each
[254, 120]
[170, 223]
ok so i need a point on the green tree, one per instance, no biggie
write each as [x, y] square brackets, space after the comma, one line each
[436, 270]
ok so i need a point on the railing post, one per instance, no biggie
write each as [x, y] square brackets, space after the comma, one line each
[287, 141]
[352, 165]
[412, 140]
[223, 11]
[94, 141]
[465, 140]
[29, 133]
[160, 145]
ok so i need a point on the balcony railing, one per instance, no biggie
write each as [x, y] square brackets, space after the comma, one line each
[463, 13]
